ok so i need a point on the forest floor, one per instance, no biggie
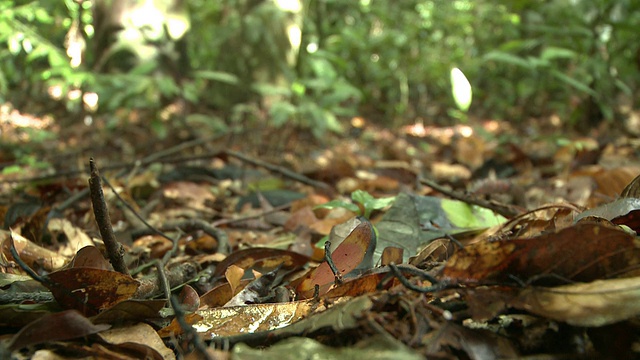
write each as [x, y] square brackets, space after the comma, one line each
[481, 240]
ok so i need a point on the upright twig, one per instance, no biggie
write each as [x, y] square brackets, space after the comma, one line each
[332, 265]
[115, 250]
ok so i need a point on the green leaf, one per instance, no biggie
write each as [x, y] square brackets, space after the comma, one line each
[190, 92]
[281, 112]
[266, 89]
[464, 215]
[361, 196]
[380, 203]
[508, 59]
[144, 68]
[298, 88]
[333, 204]
[332, 123]
[323, 69]
[551, 52]
[12, 169]
[167, 86]
[573, 82]
[369, 202]
[211, 122]
[219, 76]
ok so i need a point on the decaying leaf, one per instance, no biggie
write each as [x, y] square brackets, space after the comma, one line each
[376, 347]
[90, 257]
[32, 254]
[64, 325]
[257, 291]
[596, 303]
[140, 336]
[221, 294]
[261, 258]
[612, 210]
[229, 321]
[89, 290]
[583, 252]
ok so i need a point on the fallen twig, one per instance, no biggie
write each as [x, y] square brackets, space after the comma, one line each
[507, 211]
[188, 225]
[278, 169]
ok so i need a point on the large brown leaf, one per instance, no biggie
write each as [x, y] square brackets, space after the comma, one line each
[90, 290]
[583, 252]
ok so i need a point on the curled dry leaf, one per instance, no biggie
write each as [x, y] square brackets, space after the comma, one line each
[583, 252]
[220, 294]
[33, 255]
[76, 238]
[90, 257]
[234, 275]
[597, 303]
[141, 337]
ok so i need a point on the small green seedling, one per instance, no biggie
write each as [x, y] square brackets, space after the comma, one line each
[363, 203]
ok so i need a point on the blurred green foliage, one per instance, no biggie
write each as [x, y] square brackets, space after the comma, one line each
[390, 61]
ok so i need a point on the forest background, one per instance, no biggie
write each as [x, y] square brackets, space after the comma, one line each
[315, 66]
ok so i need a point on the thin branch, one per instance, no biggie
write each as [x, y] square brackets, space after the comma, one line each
[199, 345]
[16, 257]
[189, 225]
[507, 211]
[162, 279]
[139, 217]
[278, 169]
[404, 281]
[152, 286]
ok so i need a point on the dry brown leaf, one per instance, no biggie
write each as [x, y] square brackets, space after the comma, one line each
[141, 334]
[89, 290]
[33, 255]
[597, 303]
[583, 252]
[234, 274]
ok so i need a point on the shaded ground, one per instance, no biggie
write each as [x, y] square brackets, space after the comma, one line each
[457, 266]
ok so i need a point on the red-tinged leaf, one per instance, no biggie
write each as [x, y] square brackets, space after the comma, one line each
[347, 256]
[65, 325]
[90, 290]
[583, 252]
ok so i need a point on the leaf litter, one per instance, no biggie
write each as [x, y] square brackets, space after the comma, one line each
[456, 250]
